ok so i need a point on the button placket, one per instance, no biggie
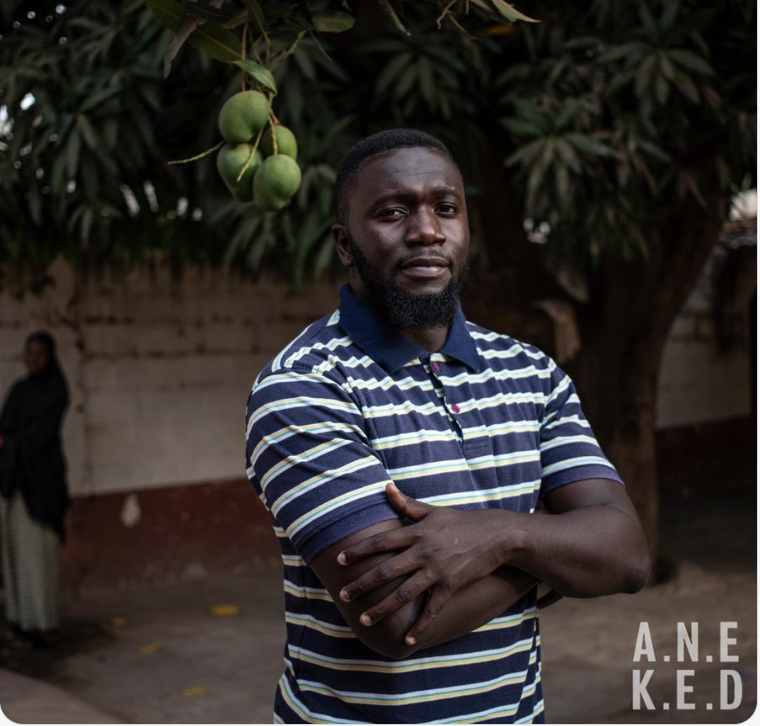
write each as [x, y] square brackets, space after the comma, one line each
[432, 367]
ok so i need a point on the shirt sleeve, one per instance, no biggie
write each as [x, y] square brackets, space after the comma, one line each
[310, 460]
[569, 449]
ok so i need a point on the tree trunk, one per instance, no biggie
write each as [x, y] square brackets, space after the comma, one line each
[624, 331]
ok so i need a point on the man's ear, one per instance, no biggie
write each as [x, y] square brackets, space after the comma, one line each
[340, 235]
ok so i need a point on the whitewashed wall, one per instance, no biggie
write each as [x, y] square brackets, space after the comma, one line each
[159, 369]
[699, 383]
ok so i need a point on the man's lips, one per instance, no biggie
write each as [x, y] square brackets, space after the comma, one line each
[425, 262]
[425, 266]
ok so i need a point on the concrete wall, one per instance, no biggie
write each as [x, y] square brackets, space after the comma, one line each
[159, 368]
[699, 381]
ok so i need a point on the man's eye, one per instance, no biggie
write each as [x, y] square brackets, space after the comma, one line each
[446, 208]
[391, 213]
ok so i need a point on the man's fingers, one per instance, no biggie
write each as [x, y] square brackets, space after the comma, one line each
[405, 505]
[382, 574]
[405, 593]
[438, 599]
[388, 541]
[549, 599]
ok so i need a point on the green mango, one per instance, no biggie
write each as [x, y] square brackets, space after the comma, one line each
[286, 142]
[230, 161]
[243, 116]
[275, 182]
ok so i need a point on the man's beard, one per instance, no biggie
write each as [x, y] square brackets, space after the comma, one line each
[405, 310]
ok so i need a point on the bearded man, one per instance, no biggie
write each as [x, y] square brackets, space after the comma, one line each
[424, 474]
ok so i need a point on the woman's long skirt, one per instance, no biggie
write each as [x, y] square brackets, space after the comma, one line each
[31, 568]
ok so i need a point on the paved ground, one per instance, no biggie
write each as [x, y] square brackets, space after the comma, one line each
[161, 656]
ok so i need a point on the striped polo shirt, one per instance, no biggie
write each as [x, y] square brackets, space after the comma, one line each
[350, 405]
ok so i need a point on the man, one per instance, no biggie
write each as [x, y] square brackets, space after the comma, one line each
[402, 452]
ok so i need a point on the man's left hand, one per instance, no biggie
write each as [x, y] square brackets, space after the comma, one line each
[447, 549]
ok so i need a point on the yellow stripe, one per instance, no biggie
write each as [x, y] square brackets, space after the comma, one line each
[324, 628]
[407, 667]
[418, 698]
[309, 595]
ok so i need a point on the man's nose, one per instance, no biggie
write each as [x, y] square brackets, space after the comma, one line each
[425, 228]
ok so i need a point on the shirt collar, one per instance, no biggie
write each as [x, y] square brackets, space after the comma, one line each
[386, 346]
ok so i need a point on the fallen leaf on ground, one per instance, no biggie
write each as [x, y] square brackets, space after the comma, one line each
[150, 648]
[224, 611]
[195, 691]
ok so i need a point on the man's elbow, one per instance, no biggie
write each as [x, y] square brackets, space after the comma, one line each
[386, 638]
[638, 572]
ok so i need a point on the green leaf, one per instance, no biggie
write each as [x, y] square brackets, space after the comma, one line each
[186, 27]
[526, 155]
[391, 13]
[661, 89]
[520, 127]
[168, 12]
[392, 70]
[73, 149]
[692, 61]
[263, 76]
[257, 14]
[568, 155]
[216, 42]
[427, 85]
[88, 133]
[511, 13]
[588, 145]
[645, 75]
[207, 11]
[210, 38]
[99, 97]
[562, 183]
[686, 86]
[338, 22]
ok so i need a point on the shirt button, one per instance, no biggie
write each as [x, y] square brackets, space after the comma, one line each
[455, 408]
[436, 367]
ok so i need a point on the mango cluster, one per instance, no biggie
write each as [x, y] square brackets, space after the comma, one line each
[271, 175]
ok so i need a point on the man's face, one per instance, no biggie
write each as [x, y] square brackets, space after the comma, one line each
[406, 239]
[36, 357]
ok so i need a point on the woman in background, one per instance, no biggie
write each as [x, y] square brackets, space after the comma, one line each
[34, 492]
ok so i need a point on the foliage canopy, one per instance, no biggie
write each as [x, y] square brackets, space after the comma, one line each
[603, 117]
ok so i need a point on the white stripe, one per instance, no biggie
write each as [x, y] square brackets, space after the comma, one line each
[286, 404]
[312, 430]
[577, 461]
[565, 440]
[330, 346]
[307, 714]
[427, 694]
[574, 419]
[353, 496]
[298, 459]
[320, 479]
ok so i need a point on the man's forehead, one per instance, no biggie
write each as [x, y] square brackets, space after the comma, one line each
[412, 166]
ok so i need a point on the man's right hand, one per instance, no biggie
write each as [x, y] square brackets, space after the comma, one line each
[472, 606]
[442, 553]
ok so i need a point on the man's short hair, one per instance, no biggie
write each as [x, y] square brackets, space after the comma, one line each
[379, 143]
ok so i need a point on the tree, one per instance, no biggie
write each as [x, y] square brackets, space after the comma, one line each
[614, 133]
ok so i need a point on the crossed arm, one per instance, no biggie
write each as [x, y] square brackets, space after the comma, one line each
[403, 588]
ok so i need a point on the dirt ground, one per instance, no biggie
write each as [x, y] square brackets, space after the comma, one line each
[160, 656]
